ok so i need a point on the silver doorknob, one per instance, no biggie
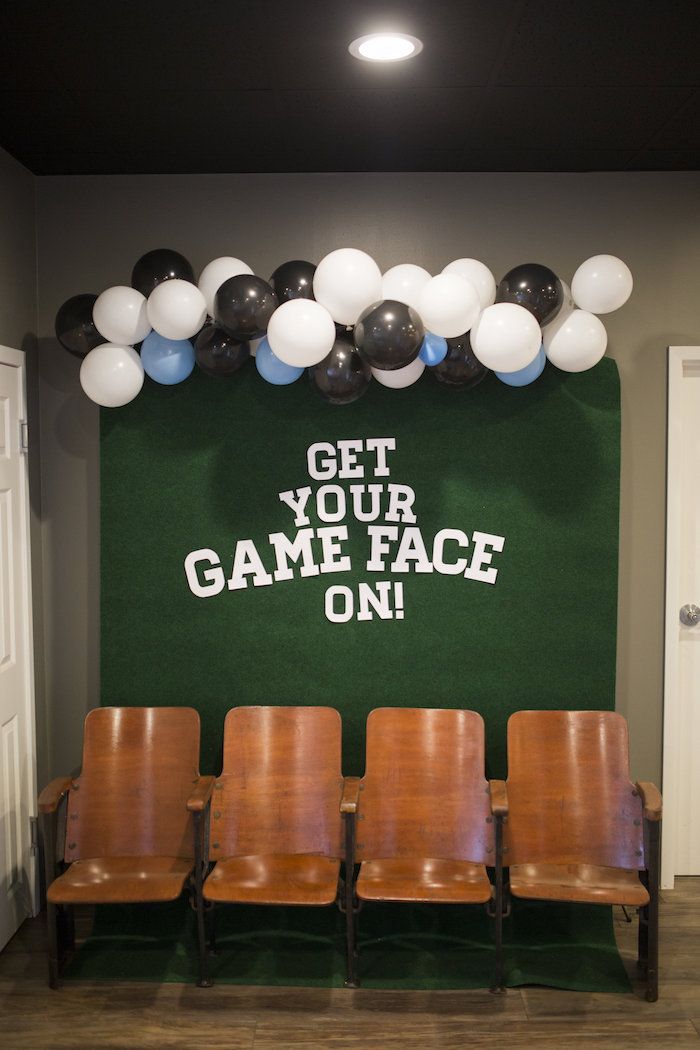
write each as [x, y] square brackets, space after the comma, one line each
[690, 615]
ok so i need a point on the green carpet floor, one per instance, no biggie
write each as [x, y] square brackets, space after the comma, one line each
[401, 946]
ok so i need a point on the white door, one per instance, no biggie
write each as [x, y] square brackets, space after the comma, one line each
[681, 778]
[17, 765]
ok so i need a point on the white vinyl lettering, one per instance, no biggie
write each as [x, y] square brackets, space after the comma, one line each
[247, 562]
[327, 468]
[214, 575]
[375, 493]
[386, 512]
[287, 550]
[337, 496]
[380, 446]
[367, 601]
[296, 500]
[412, 548]
[401, 499]
[347, 604]
[333, 558]
[380, 536]
[449, 568]
[482, 556]
[349, 467]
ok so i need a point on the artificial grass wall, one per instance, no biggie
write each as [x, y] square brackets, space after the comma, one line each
[201, 465]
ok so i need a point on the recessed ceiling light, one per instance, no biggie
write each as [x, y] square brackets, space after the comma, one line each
[385, 47]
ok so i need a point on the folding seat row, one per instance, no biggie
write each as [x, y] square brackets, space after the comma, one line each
[422, 825]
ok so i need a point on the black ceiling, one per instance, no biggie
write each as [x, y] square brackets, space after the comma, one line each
[268, 85]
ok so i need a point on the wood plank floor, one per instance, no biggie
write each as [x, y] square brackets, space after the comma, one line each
[101, 1016]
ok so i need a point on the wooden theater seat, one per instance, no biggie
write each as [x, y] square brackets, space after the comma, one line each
[276, 834]
[289, 879]
[129, 830]
[424, 828]
[582, 883]
[577, 828]
[102, 880]
[424, 880]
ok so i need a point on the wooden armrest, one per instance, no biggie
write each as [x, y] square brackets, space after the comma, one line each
[651, 799]
[351, 794]
[200, 794]
[51, 796]
[499, 798]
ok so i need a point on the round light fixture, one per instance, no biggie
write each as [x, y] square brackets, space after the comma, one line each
[385, 47]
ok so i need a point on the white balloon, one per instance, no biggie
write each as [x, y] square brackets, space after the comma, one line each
[479, 275]
[576, 341]
[215, 273]
[404, 283]
[347, 281]
[301, 332]
[253, 345]
[111, 375]
[506, 337]
[120, 315]
[448, 305]
[398, 378]
[602, 284]
[177, 309]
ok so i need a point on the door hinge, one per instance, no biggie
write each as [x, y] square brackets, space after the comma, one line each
[23, 436]
[33, 836]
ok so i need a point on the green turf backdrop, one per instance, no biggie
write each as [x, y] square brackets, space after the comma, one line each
[200, 465]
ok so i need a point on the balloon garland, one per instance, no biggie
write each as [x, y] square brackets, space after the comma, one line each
[342, 320]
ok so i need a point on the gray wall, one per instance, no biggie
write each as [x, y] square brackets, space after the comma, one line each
[91, 230]
[18, 295]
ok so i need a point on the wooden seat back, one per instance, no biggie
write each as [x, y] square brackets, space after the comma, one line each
[280, 788]
[424, 793]
[139, 765]
[570, 797]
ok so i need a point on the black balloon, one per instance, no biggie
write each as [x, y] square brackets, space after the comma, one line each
[162, 264]
[75, 329]
[389, 334]
[342, 376]
[460, 368]
[293, 280]
[244, 305]
[535, 287]
[218, 354]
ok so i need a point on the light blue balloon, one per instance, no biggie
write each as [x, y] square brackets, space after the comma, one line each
[528, 374]
[167, 361]
[433, 349]
[272, 369]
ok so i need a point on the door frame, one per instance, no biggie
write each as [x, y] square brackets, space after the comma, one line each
[16, 359]
[679, 358]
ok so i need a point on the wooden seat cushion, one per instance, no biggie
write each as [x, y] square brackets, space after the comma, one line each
[423, 880]
[274, 879]
[121, 880]
[583, 883]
